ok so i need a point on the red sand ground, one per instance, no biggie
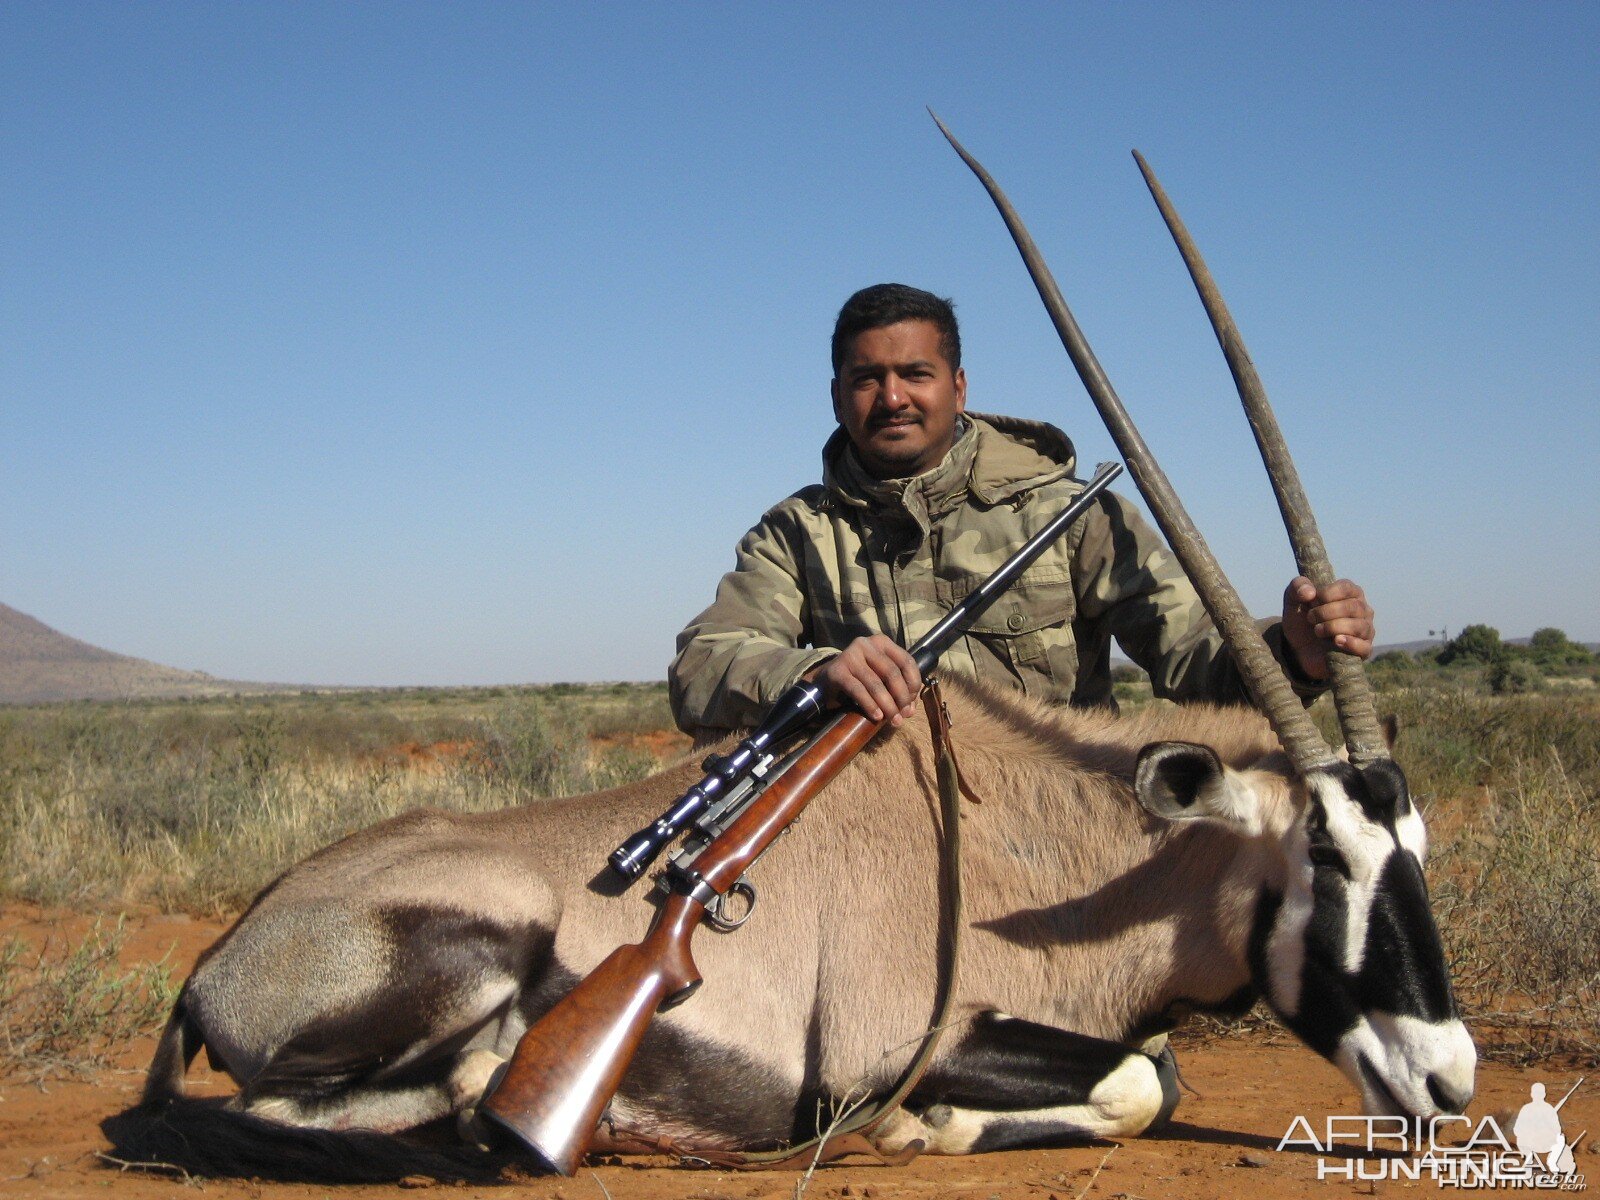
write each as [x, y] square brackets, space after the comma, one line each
[663, 744]
[1221, 1144]
[428, 758]
[434, 758]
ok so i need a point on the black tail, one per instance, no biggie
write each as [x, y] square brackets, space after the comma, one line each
[180, 1042]
[203, 1137]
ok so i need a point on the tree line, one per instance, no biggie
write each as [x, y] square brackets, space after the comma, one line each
[1505, 667]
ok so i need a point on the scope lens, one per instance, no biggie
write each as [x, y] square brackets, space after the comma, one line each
[631, 858]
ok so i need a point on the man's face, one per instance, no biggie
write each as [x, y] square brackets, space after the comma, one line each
[897, 398]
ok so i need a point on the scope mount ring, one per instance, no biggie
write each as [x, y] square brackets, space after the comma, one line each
[722, 924]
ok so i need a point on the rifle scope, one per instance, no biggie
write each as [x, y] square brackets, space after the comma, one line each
[794, 710]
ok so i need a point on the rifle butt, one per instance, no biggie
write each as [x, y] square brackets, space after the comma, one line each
[570, 1063]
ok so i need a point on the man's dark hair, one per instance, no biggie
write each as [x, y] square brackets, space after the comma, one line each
[889, 304]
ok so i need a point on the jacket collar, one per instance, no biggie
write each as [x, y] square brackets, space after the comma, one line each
[994, 459]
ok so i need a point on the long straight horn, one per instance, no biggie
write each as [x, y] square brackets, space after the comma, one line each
[1262, 675]
[1352, 696]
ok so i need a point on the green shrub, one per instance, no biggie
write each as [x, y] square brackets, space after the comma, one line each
[1513, 677]
[540, 748]
[1399, 660]
[1553, 650]
[1548, 640]
[1475, 643]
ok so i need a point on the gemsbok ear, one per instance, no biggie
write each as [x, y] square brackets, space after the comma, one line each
[1391, 730]
[1180, 781]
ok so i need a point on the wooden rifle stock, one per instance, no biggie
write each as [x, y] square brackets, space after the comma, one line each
[570, 1063]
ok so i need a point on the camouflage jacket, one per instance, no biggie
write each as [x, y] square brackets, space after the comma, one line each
[858, 555]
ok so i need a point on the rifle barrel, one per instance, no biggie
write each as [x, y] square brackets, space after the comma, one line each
[959, 619]
[1570, 1090]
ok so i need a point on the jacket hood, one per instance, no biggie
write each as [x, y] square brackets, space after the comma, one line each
[1008, 455]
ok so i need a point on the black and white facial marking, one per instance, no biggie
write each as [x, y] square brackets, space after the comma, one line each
[1348, 954]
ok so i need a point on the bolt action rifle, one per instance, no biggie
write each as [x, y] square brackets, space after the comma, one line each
[569, 1064]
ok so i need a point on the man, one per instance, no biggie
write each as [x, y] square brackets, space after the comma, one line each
[919, 503]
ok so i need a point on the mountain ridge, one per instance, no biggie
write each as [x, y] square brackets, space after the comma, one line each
[42, 665]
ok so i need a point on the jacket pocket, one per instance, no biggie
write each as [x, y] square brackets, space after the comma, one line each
[1028, 637]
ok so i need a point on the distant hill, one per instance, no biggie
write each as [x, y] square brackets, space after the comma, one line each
[39, 665]
[1418, 647]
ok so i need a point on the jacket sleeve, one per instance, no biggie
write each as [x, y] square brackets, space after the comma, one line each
[743, 652]
[1131, 587]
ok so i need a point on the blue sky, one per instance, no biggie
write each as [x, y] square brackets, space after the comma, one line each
[415, 343]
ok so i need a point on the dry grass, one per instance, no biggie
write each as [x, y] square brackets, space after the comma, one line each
[195, 807]
[1517, 890]
[1511, 789]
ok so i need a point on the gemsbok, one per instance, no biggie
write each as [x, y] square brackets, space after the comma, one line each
[1119, 874]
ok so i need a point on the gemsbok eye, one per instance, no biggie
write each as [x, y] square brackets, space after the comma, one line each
[1327, 856]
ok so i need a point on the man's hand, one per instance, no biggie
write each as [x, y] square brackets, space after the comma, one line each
[1315, 622]
[876, 674]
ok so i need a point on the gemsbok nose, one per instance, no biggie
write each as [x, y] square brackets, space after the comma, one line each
[1449, 1099]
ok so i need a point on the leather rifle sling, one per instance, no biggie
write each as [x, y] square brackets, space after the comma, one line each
[851, 1134]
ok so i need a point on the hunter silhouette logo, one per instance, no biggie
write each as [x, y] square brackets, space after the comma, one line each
[1536, 1155]
[1538, 1132]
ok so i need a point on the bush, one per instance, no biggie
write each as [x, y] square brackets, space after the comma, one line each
[1513, 677]
[1393, 664]
[1548, 639]
[1551, 648]
[1475, 643]
[1510, 786]
[540, 747]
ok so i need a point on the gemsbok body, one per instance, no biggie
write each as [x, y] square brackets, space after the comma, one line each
[1119, 874]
